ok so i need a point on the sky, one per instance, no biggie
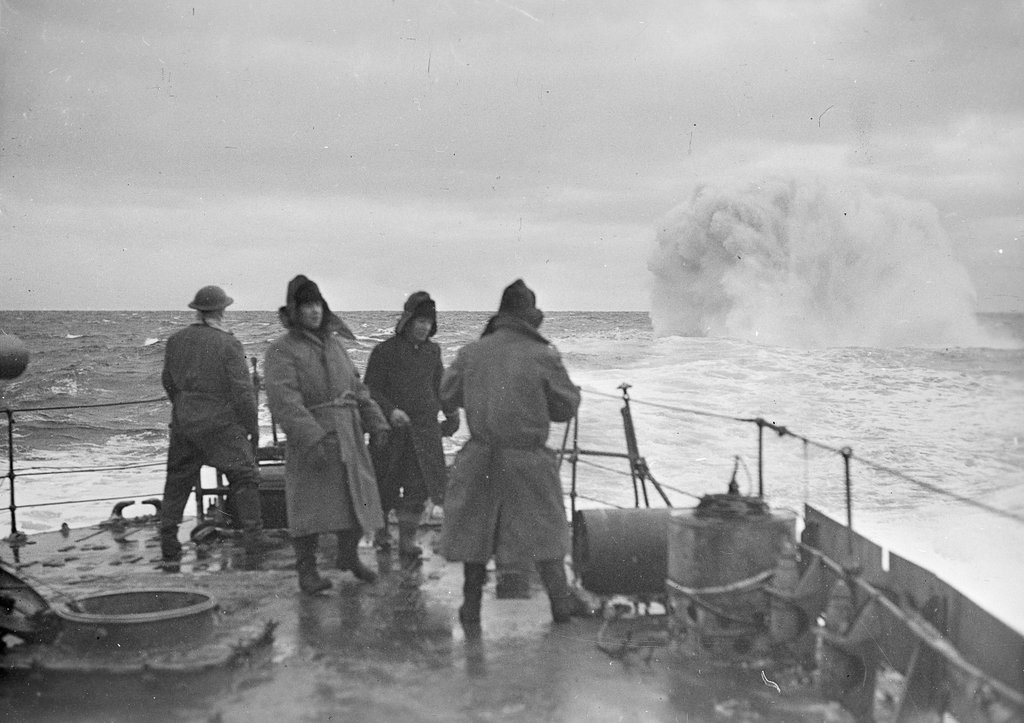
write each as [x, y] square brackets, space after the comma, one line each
[383, 147]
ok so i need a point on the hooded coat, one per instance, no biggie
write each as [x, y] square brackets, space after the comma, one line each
[315, 395]
[407, 376]
[504, 495]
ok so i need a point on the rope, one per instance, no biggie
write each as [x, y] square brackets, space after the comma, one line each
[744, 585]
[740, 586]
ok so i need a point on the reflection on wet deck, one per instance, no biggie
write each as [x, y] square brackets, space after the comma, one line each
[388, 651]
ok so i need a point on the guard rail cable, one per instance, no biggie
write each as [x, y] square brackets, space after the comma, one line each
[639, 471]
[845, 453]
[640, 474]
[13, 507]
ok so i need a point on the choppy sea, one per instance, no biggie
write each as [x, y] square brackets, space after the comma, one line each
[939, 429]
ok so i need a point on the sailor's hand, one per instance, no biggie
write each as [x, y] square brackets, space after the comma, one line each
[398, 418]
[450, 425]
[326, 448]
[379, 439]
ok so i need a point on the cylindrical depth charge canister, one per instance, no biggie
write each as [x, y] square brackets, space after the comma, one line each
[621, 551]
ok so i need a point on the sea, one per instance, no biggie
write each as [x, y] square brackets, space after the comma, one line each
[934, 431]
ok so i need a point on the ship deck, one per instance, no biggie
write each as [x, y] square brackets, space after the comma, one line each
[388, 651]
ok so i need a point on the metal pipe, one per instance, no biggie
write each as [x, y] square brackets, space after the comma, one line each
[595, 453]
[847, 453]
[10, 470]
[565, 441]
[760, 457]
[80, 502]
[631, 446]
[575, 460]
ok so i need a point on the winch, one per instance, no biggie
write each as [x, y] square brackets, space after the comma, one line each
[721, 554]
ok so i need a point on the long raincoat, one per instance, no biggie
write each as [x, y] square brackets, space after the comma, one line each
[407, 376]
[504, 496]
[315, 395]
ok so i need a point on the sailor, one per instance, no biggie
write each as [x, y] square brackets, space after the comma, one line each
[316, 396]
[213, 422]
[504, 496]
[404, 377]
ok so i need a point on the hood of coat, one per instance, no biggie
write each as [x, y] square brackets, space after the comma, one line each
[517, 302]
[302, 290]
[514, 323]
[418, 304]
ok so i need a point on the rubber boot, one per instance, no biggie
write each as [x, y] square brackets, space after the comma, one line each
[408, 526]
[170, 549]
[310, 581]
[249, 515]
[348, 555]
[552, 574]
[474, 575]
[382, 538]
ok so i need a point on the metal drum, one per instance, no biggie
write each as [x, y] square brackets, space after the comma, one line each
[272, 499]
[719, 555]
[621, 551]
[273, 508]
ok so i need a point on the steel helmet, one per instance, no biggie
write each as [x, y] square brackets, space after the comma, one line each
[211, 298]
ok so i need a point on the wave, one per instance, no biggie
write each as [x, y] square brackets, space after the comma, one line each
[801, 261]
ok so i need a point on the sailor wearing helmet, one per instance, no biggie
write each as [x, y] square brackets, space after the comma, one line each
[213, 422]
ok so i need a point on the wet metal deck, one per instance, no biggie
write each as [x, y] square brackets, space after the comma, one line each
[390, 651]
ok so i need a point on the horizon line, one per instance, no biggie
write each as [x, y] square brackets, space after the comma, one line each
[346, 311]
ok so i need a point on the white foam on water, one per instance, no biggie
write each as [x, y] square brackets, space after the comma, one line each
[950, 433]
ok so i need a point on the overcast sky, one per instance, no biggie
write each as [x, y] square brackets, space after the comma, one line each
[149, 148]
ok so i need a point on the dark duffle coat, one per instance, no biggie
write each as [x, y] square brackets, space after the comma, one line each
[407, 376]
[504, 496]
[313, 390]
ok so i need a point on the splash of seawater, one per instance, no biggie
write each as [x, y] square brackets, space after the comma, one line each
[803, 262]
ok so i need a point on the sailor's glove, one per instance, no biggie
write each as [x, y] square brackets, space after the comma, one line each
[450, 425]
[399, 418]
[328, 447]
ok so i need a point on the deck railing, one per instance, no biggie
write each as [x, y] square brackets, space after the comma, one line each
[13, 507]
[637, 467]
